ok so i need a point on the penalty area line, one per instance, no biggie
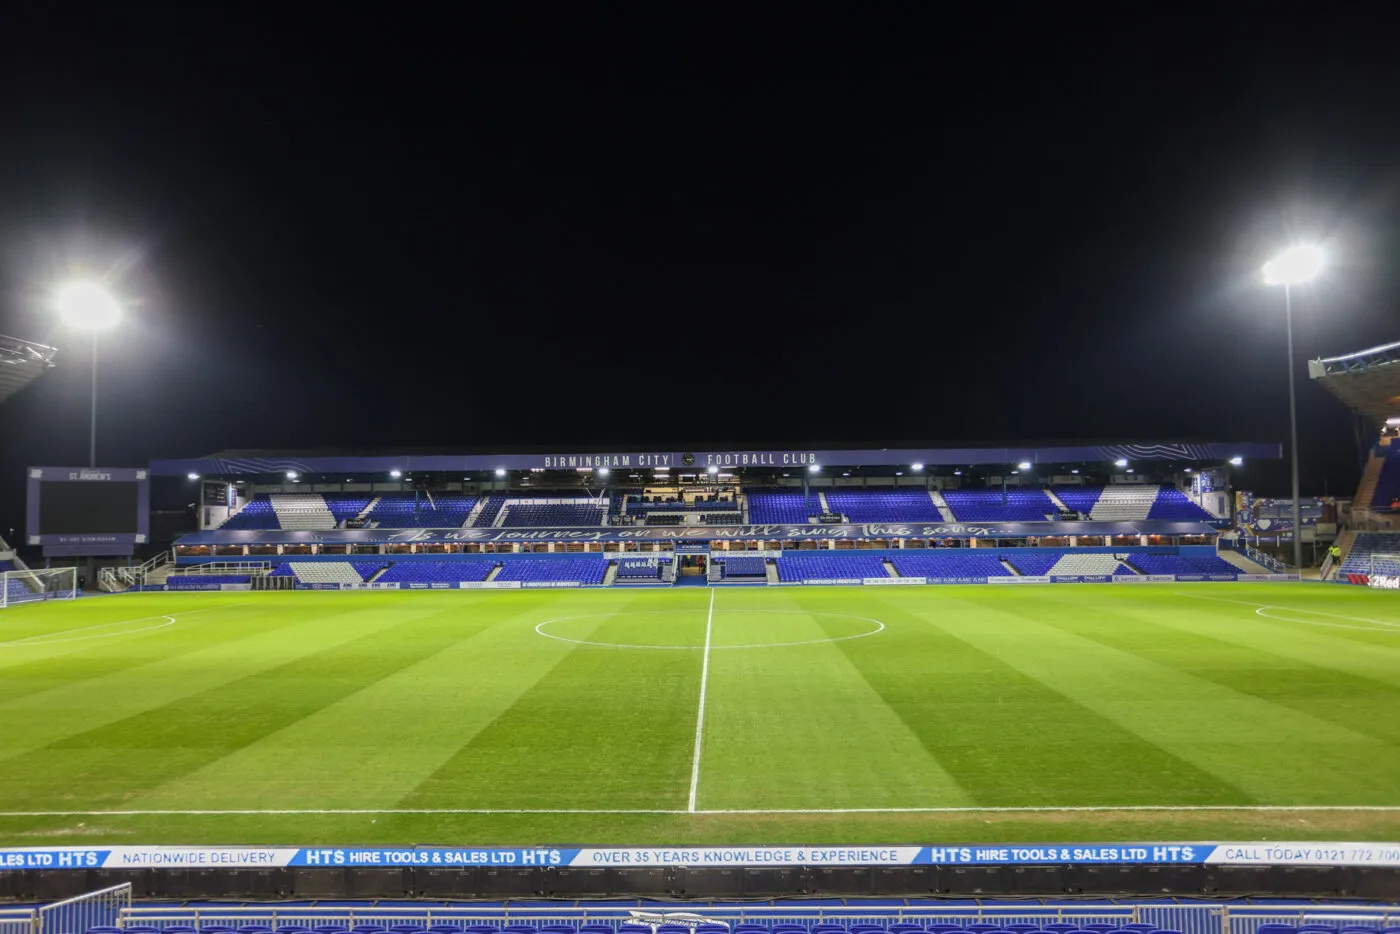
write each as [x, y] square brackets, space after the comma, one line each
[700, 714]
[1069, 809]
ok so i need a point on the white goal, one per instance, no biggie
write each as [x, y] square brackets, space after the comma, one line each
[18, 587]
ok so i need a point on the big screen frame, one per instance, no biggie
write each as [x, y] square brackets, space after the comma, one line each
[105, 543]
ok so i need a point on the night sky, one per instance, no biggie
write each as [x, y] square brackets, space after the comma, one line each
[469, 224]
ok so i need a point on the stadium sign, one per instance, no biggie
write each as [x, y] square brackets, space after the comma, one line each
[1384, 582]
[680, 534]
[1032, 854]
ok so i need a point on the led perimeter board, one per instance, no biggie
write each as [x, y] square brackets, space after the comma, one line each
[88, 510]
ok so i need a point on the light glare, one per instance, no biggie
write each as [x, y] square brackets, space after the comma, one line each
[87, 306]
[1295, 265]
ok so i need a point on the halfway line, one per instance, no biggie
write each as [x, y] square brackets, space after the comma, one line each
[700, 714]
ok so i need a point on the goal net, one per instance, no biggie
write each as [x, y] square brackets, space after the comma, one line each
[18, 587]
[1383, 570]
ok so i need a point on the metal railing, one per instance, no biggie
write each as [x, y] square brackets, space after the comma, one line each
[93, 909]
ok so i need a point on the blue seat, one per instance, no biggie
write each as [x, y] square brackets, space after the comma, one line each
[406, 929]
[452, 929]
[179, 929]
[596, 929]
[289, 929]
[1058, 928]
[712, 929]
[1144, 926]
[1169, 931]
[981, 928]
[1317, 929]
[827, 929]
[553, 929]
[789, 929]
[905, 928]
[329, 929]
[482, 929]
[1101, 928]
[1021, 928]
[524, 929]
[217, 929]
[250, 929]
[672, 929]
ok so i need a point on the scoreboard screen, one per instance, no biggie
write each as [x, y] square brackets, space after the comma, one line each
[88, 510]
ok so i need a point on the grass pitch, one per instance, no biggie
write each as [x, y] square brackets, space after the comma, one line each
[572, 716]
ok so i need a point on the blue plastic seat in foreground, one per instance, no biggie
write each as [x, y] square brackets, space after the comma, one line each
[1021, 928]
[329, 928]
[906, 928]
[553, 929]
[179, 929]
[447, 929]
[789, 929]
[827, 929]
[255, 929]
[867, 929]
[406, 928]
[480, 929]
[217, 929]
[1058, 927]
[1101, 928]
[1144, 926]
[289, 929]
[944, 928]
[141, 929]
[104, 929]
[524, 929]
[596, 929]
[673, 929]
[712, 929]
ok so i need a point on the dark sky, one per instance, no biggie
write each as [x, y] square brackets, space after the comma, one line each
[470, 224]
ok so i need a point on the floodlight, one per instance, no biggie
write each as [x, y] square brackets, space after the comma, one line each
[292, 475]
[1075, 471]
[814, 468]
[1188, 469]
[1130, 470]
[192, 476]
[603, 471]
[1236, 461]
[500, 471]
[712, 469]
[396, 473]
[87, 306]
[957, 473]
[1024, 465]
[1121, 462]
[1295, 265]
[916, 466]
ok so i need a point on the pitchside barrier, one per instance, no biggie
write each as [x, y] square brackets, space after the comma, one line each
[1206, 918]
[834, 581]
[76, 915]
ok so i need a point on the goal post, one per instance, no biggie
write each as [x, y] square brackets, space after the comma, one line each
[32, 586]
[1383, 570]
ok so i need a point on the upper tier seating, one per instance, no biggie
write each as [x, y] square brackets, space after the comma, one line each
[736, 566]
[680, 505]
[584, 570]
[492, 508]
[461, 569]
[533, 515]
[1149, 563]
[782, 507]
[1124, 502]
[302, 511]
[404, 511]
[1388, 483]
[875, 505]
[1023, 504]
[835, 565]
[950, 562]
[1171, 503]
[1079, 498]
[1361, 558]
[256, 514]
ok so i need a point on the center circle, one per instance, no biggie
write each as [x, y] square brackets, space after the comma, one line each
[875, 624]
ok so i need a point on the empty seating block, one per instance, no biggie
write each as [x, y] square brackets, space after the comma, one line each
[583, 570]
[884, 505]
[1034, 562]
[1124, 502]
[1362, 558]
[1079, 498]
[947, 563]
[326, 572]
[405, 511]
[638, 569]
[1171, 503]
[302, 511]
[527, 515]
[832, 566]
[255, 515]
[1023, 504]
[1094, 565]
[742, 566]
[438, 572]
[782, 507]
[1149, 563]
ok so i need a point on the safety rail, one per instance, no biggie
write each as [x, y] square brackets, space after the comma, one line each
[221, 567]
[81, 913]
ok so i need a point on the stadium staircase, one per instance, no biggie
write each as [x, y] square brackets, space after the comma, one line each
[377, 574]
[890, 569]
[770, 570]
[821, 498]
[364, 513]
[743, 506]
[1011, 568]
[1059, 503]
[610, 574]
[495, 572]
[1245, 565]
[941, 505]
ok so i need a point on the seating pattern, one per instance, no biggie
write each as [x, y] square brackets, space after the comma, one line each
[1124, 502]
[1149, 563]
[584, 570]
[302, 511]
[256, 514]
[1034, 562]
[1079, 498]
[950, 562]
[742, 566]
[1360, 559]
[884, 505]
[1171, 503]
[466, 569]
[1023, 504]
[1073, 565]
[404, 511]
[527, 515]
[832, 566]
[640, 568]
[487, 517]
[333, 572]
[782, 507]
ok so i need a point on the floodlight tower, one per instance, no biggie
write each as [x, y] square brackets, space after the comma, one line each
[1296, 265]
[89, 307]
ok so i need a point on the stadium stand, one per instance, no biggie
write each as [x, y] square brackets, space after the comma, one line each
[1079, 498]
[1361, 559]
[405, 511]
[537, 515]
[830, 566]
[1073, 565]
[884, 505]
[1171, 503]
[584, 570]
[486, 518]
[1022, 505]
[302, 511]
[435, 572]
[1155, 563]
[256, 514]
[782, 507]
[1034, 562]
[741, 567]
[634, 570]
[1388, 483]
[333, 572]
[950, 563]
[1124, 502]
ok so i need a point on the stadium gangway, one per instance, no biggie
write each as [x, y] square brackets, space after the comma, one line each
[1187, 918]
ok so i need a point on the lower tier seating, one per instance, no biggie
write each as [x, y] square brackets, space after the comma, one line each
[831, 566]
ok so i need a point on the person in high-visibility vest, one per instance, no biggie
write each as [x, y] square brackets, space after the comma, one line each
[1336, 552]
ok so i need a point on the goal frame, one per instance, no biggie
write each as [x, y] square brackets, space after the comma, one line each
[37, 585]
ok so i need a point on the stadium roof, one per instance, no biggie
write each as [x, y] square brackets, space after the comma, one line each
[1368, 381]
[22, 362]
[777, 457]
